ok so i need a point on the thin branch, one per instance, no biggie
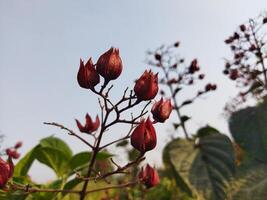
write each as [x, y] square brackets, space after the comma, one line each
[70, 132]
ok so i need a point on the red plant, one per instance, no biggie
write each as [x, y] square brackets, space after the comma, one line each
[175, 78]
[142, 133]
[247, 67]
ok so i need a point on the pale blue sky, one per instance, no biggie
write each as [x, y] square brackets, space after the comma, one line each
[42, 41]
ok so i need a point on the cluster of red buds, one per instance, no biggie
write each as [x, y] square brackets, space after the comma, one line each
[7, 167]
[142, 133]
[247, 67]
[176, 77]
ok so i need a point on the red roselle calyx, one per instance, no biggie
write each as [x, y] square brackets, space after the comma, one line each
[89, 126]
[87, 76]
[146, 87]
[12, 153]
[6, 171]
[161, 110]
[149, 176]
[144, 136]
[109, 64]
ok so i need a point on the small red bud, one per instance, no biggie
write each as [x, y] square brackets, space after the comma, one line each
[161, 110]
[234, 74]
[87, 76]
[252, 47]
[242, 28]
[149, 176]
[18, 145]
[12, 153]
[191, 82]
[176, 44]
[213, 87]
[109, 64]
[144, 136]
[236, 36]
[229, 40]
[227, 65]
[193, 67]
[201, 76]
[157, 56]
[89, 126]
[146, 87]
[226, 72]
[208, 87]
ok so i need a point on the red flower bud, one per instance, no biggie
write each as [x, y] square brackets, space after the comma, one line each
[243, 28]
[87, 76]
[210, 87]
[201, 76]
[157, 56]
[146, 87]
[161, 110]
[193, 67]
[18, 145]
[109, 64]
[12, 153]
[149, 176]
[6, 171]
[144, 136]
[89, 126]
[234, 74]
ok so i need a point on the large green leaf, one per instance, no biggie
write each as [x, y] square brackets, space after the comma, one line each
[53, 158]
[81, 159]
[56, 143]
[204, 165]
[213, 166]
[177, 157]
[249, 129]
[23, 166]
[252, 185]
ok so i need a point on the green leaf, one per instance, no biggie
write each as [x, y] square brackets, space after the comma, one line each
[81, 159]
[249, 129]
[53, 158]
[122, 143]
[56, 143]
[203, 166]
[252, 185]
[185, 149]
[72, 184]
[184, 118]
[213, 166]
[207, 130]
[23, 166]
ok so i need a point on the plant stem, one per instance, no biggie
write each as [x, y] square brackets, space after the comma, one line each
[175, 104]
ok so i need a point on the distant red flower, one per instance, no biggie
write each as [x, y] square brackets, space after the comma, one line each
[149, 176]
[89, 126]
[146, 87]
[161, 110]
[109, 64]
[144, 136]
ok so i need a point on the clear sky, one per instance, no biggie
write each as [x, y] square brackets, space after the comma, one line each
[41, 43]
